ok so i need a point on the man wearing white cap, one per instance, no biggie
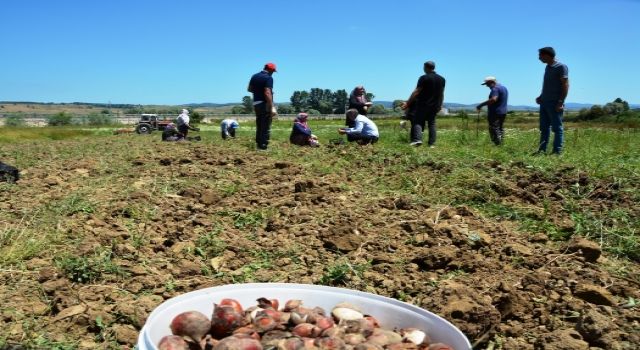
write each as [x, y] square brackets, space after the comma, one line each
[496, 108]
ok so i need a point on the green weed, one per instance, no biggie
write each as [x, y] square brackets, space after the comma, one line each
[210, 245]
[83, 269]
[339, 272]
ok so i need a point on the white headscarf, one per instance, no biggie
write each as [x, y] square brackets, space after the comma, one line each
[184, 117]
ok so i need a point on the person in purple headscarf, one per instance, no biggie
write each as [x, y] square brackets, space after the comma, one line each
[301, 132]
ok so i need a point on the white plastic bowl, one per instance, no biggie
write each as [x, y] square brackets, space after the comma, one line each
[389, 312]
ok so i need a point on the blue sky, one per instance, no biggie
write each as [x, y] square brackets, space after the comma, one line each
[176, 52]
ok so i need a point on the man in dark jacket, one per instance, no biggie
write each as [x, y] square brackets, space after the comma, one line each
[424, 104]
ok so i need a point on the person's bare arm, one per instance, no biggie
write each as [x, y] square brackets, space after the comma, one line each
[488, 102]
[563, 93]
[268, 96]
[412, 98]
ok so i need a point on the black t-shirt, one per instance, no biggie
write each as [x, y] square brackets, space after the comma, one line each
[432, 93]
[258, 82]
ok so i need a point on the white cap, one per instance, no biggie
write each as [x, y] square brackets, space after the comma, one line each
[488, 79]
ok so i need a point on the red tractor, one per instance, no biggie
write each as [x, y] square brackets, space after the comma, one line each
[150, 122]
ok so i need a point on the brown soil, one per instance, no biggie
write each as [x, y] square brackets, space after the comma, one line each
[481, 274]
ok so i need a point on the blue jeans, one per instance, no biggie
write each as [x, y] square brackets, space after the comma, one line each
[551, 120]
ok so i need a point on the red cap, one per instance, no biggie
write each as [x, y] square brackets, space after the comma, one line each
[270, 66]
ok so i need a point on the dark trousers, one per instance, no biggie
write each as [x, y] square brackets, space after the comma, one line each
[183, 130]
[263, 126]
[362, 140]
[496, 127]
[420, 116]
[229, 132]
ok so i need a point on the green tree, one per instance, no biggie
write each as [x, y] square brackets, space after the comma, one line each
[59, 119]
[596, 112]
[286, 109]
[97, 119]
[340, 100]
[237, 110]
[14, 120]
[300, 101]
[316, 96]
[370, 96]
[195, 117]
[377, 109]
[397, 104]
[247, 103]
[625, 104]
[313, 112]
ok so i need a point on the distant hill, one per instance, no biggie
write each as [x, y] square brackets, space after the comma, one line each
[572, 106]
[88, 107]
[211, 105]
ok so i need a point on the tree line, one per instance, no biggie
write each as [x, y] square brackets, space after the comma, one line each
[314, 101]
[617, 107]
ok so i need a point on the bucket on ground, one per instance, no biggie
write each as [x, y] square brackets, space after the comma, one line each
[389, 312]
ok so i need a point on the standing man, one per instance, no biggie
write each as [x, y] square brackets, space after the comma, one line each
[497, 108]
[261, 85]
[555, 89]
[424, 104]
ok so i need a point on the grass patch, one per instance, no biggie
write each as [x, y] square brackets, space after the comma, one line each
[10, 135]
[341, 271]
[210, 245]
[88, 269]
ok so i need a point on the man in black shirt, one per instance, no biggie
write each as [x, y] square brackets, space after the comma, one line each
[261, 85]
[424, 104]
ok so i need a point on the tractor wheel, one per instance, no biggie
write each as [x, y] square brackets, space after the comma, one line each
[143, 129]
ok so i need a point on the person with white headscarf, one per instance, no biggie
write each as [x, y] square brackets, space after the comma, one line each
[183, 123]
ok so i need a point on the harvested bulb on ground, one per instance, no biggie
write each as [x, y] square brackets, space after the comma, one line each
[294, 327]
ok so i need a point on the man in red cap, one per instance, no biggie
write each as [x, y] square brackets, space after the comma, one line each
[261, 85]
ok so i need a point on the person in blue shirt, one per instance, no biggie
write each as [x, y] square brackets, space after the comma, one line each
[301, 134]
[497, 108]
[261, 85]
[365, 130]
[228, 128]
[555, 89]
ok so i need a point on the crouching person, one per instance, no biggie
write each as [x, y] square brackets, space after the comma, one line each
[228, 128]
[171, 133]
[365, 130]
[301, 132]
